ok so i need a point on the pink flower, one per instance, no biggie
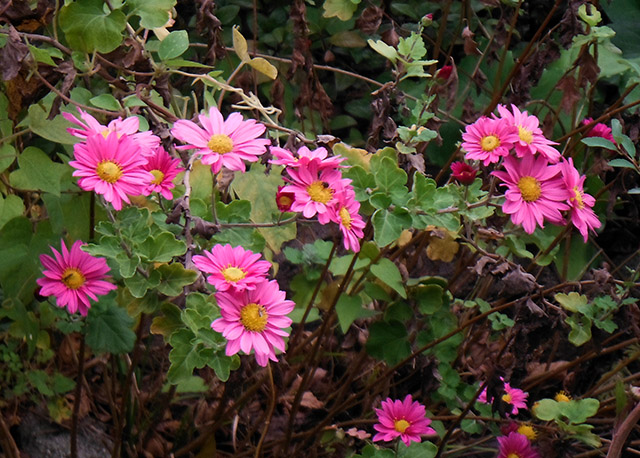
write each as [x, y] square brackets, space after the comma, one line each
[513, 396]
[599, 130]
[222, 142]
[232, 268]
[314, 188]
[284, 198]
[515, 446]
[254, 319]
[463, 172]
[344, 212]
[73, 277]
[488, 140]
[304, 156]
[111, 167]
[146, 141]
[531, 139]
[164, 169]
[582, 214]
[405, 419]
[534, 192]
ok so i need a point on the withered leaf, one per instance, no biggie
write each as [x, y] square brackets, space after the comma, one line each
[12, 55]
[370, 20]
[470, 46]
[570, 93]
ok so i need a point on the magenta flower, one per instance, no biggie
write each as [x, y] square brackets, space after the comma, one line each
[304, 157]
[463, 172]
[146, 141]
[531, 139]
[405, 419]
[284, 198]
[110, 167]
[232, 268]
[582, 214]
[534, 192]
[515, 446]
[254, 319]
[314, 188]
[222, 142]
[73, 277]
[164, 169]
[344, 212]
[488, 140]
[512, 396]
[599, 130]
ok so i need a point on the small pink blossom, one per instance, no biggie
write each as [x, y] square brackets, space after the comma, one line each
[284, 198]
[164, 169]
[344, 212]
[512, 396]
[488, 140]
[598, 130]
[304, 156]
[146, 141]
[73, 277]
[531, 139]
[582, 214]
[232, 268]
[254, 320]
[222, 142]
[463, 172]
[404, 419]
[534, 192]
[314, 188]
[515, 446]
[110, 167]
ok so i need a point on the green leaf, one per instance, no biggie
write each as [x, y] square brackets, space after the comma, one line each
[89, 28]
[349, 309]
[577, 411]
[412, 46]
[174, 45]
[429, 298]
[183, 356]
[389, 225]
[389, 177]
[222, 365]
[162, 248]
[573, 301]
[388, 341]
[580, 329]
[127, 265]
[138, 284]
[599, 142]
[109, 327]
[10, 207]
[62, 384]
[623, 163]
[417, 450]
[388, 273]
[37, 172]
[54, 130]
[342, 9]
[174, 278]
[42, 55]
[105, 101]
[547, 409]
[153, 13]
[39, 379]
[384, 49]
[7, 156]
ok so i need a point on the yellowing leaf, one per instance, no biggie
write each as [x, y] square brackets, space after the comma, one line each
[405, 237]
[240, 45]
[264, 67]
[442, 247]
[355, 156]
[342, 9]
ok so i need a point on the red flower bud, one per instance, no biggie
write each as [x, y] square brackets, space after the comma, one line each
[284, 198]
[463, 172]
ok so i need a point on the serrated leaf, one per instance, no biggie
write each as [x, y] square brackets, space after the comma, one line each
[580, 329]
[240, 45]
[263, 66]
[108, 327]
[153, 13]
[106, 102]
[174, 45]
[88, 28]
[162, 248]
[573, 301]
[174, 278]
[183, 356]
[388, 273]
[38, 172]
[168, 322]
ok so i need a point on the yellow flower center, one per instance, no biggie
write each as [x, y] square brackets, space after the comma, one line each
[506, 398]
[529, 188]
[489, 143]
[525, 135]
[513, 455]
[562, 397]
[233, 274]
[158, 176]
[345, 216]
[253, 317]
[319, 191]
[578, 195]
[220, 143]
[401, 425]
[109, 171]
[73, 278]
[285, 201]
[528, 431]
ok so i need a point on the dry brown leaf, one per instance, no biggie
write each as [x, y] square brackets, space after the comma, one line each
[442, 248]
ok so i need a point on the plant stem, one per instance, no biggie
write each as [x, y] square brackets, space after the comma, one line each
[76, 402]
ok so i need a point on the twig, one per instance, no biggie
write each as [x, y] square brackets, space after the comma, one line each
[76, 401]
[621, 434]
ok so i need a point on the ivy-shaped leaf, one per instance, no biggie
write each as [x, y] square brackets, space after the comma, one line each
[153, 13]
[109, 327]
[89, 28]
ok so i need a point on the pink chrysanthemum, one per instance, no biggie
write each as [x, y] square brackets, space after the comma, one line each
[73, 277]
[515, 445]
[284, 198]
[463, 172]
[232, 268]
[111, 167]
[164, 169]
[534, 192]
[582, 214]
[488, 140]
[531, 139]
[344, 212]
[222, 142]
[599, 130]
[404, 419]
[255, 320]
[314, 188]
[304, 156]
[512, 396]
[146, 141]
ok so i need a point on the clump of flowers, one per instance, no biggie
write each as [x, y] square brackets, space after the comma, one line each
[74, 277]
[515, 445]
[515, 397]
[405, 419]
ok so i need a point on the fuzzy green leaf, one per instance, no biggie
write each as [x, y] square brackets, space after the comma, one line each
[89, 28]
